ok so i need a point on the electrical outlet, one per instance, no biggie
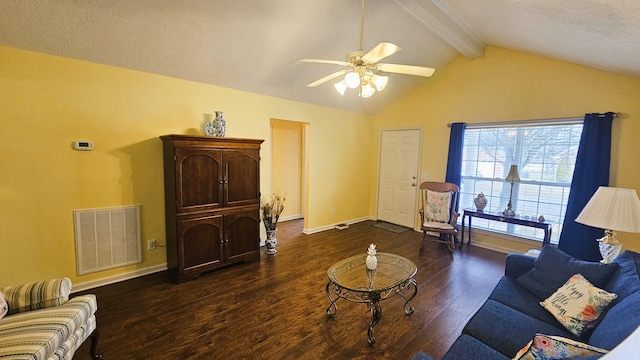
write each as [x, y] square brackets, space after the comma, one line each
[333, 210]
[151, 244]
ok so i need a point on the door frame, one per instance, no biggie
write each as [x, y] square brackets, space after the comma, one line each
[418, 171]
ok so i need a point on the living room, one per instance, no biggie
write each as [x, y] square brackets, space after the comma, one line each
[50, 101]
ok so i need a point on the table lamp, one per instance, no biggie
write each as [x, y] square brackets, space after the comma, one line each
[511, 177]
[612, 209]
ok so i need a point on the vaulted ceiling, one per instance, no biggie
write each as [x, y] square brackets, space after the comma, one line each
[253, 45]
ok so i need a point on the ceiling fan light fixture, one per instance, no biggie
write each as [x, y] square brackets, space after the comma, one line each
[367, 90]
[380, 81]
[361, 67]
[341, 86]
[352, 79]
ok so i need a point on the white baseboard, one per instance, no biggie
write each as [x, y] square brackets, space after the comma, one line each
[291, 217]
[333, 226]
[492, 247]
[118, 278]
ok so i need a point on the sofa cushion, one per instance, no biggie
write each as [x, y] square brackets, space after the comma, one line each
[37, 295]
[578, 304]
[511, 294]
[626, 279]
[518, 264]
[553, 268]
[466, 345]
[421, 356]
[513, 330]
[618, 323]
[544, 347]
[40, 333]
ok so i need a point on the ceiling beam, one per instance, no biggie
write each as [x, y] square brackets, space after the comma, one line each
[442, 21]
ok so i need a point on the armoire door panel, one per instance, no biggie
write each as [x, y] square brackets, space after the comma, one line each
[199, 179]
[242, 175]
[242, 231]
[201, 241]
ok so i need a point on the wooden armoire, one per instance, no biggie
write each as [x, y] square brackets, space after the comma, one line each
[212, 197]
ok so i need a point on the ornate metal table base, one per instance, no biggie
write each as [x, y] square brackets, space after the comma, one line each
[372, 298]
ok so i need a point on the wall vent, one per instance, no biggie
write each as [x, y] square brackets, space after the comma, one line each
[107, 238]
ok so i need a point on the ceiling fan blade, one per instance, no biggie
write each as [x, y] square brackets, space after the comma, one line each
[380, 51]
[334, 62]
[406, 69]
[327, 78]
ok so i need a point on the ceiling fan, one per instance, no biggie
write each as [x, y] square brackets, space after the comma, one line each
[363, 71]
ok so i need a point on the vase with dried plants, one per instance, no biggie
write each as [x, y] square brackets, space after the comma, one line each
[270, 209]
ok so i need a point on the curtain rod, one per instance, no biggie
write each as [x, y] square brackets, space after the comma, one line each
[536, 121]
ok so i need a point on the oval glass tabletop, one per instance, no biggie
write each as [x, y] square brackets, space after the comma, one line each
[391, 271]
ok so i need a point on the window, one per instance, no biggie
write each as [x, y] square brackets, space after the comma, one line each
[545, 154]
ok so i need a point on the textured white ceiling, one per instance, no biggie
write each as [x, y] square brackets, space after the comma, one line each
[603, 34]
[252, 45]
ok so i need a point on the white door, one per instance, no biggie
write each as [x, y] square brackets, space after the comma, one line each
[398, 176]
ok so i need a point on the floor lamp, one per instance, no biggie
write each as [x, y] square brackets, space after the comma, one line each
[612, 209]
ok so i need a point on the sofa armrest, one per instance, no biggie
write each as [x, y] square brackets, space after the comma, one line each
[37, 295]
[518, 264]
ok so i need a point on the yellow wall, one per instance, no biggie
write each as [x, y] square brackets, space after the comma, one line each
[507, 85]
[287, 164]
[48, 102]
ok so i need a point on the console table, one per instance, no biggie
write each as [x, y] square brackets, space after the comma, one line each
[498, 216]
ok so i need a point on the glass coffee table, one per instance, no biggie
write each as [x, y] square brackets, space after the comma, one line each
[349, 279]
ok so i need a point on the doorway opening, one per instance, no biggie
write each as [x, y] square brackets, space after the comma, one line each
[289, 166]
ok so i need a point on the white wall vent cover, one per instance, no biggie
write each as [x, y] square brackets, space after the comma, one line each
[107, 238]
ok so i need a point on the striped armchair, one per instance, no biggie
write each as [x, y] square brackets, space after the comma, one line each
[38, 321]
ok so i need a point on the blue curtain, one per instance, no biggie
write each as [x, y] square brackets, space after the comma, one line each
[454, 162]
[591, 171]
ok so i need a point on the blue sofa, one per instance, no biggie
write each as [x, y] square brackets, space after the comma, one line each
[512, 315]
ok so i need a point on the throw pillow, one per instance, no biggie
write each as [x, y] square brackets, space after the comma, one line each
[438, 206]
[578, 304]
[553, 268]
[544, 347]
[4, 308]
[38, 295]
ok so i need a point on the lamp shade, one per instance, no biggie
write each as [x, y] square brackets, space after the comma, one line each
[341, 86]
[380, 81]
[612, 208]
[367, 90]
[513, 174]
[352, 79]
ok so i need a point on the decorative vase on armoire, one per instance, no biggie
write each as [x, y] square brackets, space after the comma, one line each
[217, 127]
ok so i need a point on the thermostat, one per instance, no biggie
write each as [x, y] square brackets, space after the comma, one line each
[83, 145]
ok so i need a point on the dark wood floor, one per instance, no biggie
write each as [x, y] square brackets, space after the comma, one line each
[275, 308]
